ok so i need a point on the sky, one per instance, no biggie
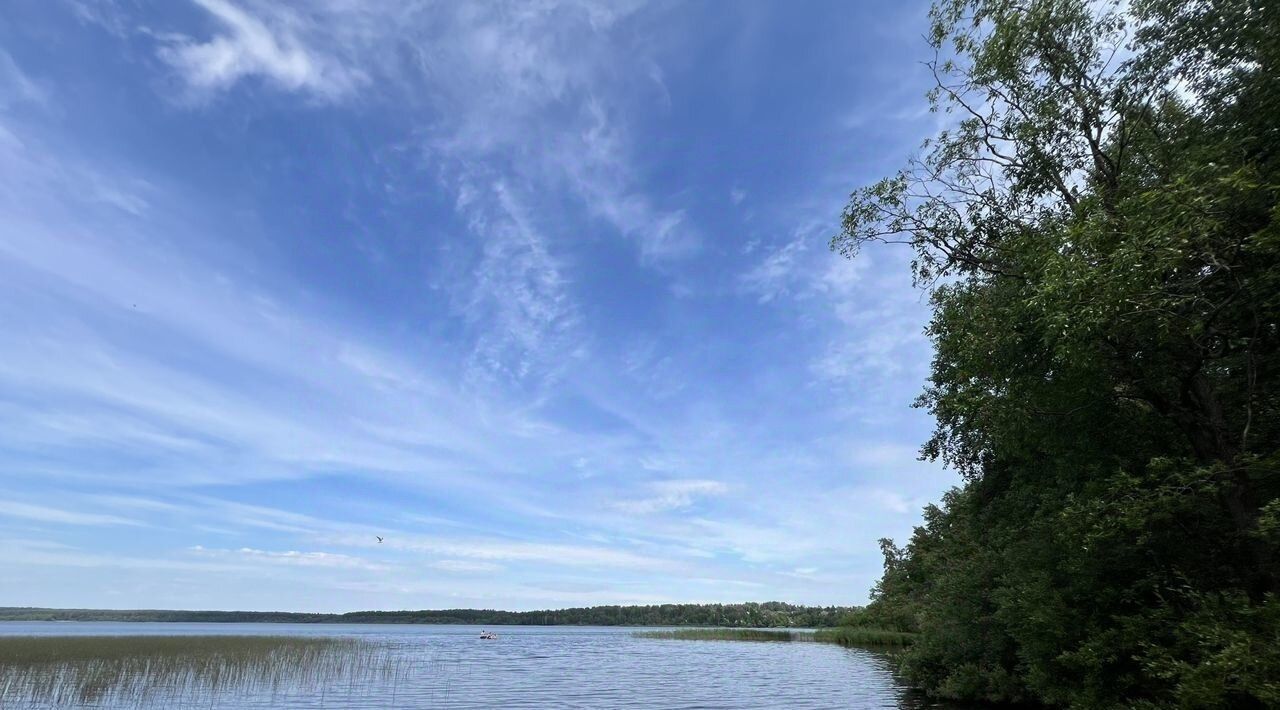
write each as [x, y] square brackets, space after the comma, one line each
[539, 292]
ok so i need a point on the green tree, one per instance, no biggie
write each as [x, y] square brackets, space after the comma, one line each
[1098, 232]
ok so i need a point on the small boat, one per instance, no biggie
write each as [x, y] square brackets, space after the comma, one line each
[489, 635]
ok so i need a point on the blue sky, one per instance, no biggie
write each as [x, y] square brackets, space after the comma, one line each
[538, 292]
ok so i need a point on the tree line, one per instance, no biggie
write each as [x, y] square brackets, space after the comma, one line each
[1097, 229]
[750, 614]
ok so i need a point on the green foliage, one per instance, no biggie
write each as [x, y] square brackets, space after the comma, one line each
[1099, 233]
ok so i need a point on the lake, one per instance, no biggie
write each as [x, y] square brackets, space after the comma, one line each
[538, 667]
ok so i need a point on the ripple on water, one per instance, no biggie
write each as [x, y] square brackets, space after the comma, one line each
[538, 667]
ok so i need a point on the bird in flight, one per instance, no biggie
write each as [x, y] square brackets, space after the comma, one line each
[379, 537]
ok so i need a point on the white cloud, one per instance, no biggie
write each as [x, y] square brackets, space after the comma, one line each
[516, 297]
[795, 270]
[16, 87]
[129, 502]
[497, 550]
[878, 353]
[292, 558]
[890, 501]
[16, 557]
[510, 106]
[518, 421]
[673, 495]
[776, 274]
[842, 284]
[597, 170]
[102, 13]
[250, 48]
[85, 390]
[877, 336]
[46, 514]
[878, 454]
[465, 566]
[125, 201]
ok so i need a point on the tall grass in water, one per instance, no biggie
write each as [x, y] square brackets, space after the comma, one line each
[844, 635]
[864, 636]
[721, 635]
[163, 670]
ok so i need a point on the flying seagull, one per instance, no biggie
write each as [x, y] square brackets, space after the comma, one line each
[379, 537]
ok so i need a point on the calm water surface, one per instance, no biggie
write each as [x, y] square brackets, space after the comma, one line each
[554, 667]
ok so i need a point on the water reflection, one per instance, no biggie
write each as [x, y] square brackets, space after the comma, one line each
[534, 667]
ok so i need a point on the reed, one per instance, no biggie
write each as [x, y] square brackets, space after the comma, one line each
[864, 636]
[844, 635]
[722, 635]
[169, 670]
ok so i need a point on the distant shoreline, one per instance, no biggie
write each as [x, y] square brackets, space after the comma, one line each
[755, 615]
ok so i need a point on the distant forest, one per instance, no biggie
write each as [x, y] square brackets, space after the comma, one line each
[767, 614]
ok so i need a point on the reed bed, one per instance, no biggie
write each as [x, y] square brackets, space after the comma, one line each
[117, 671]
[722, 635]
[844, 635]
[862, 636]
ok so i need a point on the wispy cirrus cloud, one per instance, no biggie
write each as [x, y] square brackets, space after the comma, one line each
[508, 106]
[291, 558]
[493, 86]
[866, 310]
[48, 514]
[495, 550]
[516, 297]
[248, 47]
[34, 555]
[877, 337]
[673, 495]
[15, 86]
[777, 273]
[465, 566]
[480, 278]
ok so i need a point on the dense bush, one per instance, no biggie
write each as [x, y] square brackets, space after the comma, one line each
[1098, 232]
